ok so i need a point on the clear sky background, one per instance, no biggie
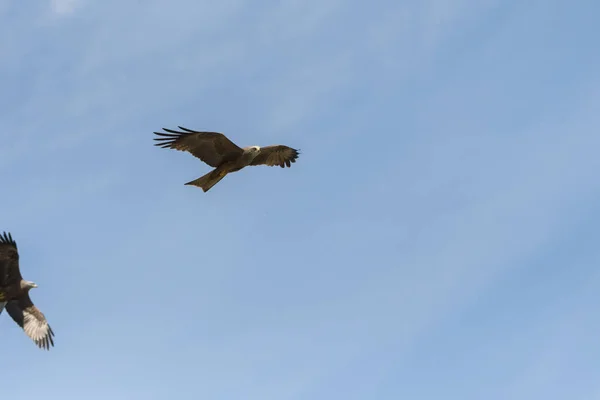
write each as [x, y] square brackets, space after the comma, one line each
[437, 238]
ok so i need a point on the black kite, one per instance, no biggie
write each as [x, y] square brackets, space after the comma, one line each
[216, 150]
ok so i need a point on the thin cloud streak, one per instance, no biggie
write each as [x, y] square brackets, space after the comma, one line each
[64, 7]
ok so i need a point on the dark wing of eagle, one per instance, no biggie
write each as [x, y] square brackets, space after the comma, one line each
[276, 155]
[9, 261]
[32, 320]
[213, 148]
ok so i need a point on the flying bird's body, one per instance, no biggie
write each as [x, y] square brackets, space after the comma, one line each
[216, 150]
[12, 292]
[14, 296]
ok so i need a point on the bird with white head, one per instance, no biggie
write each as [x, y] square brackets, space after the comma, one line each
[14, 296]
[216, 150]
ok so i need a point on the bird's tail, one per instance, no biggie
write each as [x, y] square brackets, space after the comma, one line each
[209, 180]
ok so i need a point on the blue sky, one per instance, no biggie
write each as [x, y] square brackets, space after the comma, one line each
[436, 239]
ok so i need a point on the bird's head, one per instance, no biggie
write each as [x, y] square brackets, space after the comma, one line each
[27, 285]
[250, 153]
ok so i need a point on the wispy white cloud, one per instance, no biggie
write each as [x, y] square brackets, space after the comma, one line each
[65, 7]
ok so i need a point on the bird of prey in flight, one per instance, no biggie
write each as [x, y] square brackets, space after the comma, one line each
[216, 150]
[14, 295]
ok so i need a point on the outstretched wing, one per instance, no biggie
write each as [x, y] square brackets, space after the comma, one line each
[9, 261]
[211, 147]
[32, 320]
[276, 155]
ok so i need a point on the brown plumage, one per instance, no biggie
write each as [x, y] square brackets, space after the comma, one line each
[216, 150]
[14, 295]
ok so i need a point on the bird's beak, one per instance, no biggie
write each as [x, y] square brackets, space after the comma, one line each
[33, 285]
